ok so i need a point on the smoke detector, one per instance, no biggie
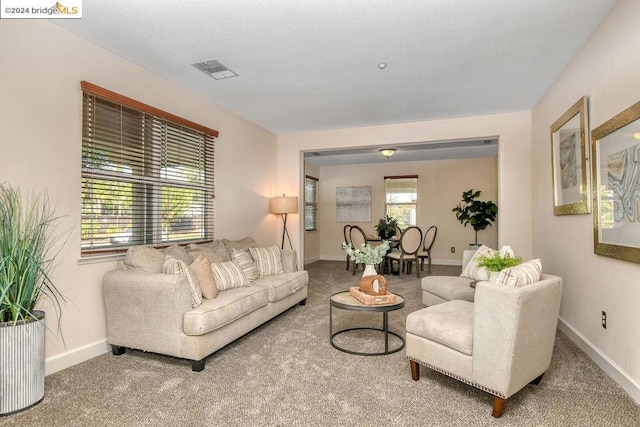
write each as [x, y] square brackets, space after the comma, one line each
[215, 69]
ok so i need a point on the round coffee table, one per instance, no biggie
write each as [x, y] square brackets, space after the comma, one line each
[344, 300]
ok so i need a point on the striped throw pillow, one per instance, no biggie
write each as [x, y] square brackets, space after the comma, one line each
[228, 275]
[521, 275]
[268, 260]
[246, 263]
[171, 265]
[472, 271]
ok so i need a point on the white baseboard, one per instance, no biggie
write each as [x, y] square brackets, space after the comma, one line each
[73, 357]
[311, 260]
[609, 366]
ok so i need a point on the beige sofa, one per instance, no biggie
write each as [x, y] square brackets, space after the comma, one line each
[154, 311]
[440, 289]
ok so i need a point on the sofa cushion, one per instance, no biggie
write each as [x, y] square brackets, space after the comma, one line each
[449, 287]
[242, 244]
[144, 258]
[214, 251]
[201, 267]
[228, 275]
[521, 275]
[449, 324]
[282, 285]
[245, 262]
[179, 252]
[227, 307]
[268, 260]
[172, 265]
[472, 271]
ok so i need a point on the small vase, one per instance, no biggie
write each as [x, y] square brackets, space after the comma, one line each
[369, 270]
[493, 276]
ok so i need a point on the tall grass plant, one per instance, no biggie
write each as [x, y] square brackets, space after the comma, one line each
[29, 243]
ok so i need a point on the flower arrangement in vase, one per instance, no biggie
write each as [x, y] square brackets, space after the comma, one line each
[367, 254]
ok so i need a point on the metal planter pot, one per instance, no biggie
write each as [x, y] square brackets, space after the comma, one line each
[21, 364]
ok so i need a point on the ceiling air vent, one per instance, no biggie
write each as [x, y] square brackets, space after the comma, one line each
[215, 69]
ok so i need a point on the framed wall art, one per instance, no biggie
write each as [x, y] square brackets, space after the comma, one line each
[616, 183]
[570, 161]
[353, 204]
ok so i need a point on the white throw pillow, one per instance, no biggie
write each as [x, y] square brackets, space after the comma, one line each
[172, 265]
[228, 275]
[472, 271]
[521, 275]
[246, 263]
[268, 260]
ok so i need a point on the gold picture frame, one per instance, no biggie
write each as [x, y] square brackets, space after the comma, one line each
[616, 184]
[570, 161]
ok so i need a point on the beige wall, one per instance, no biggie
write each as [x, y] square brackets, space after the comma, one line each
[40, 117]
[514, 163]
[606, 69]
[440, 187]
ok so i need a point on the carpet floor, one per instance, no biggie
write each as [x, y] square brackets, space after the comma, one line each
[286, 373]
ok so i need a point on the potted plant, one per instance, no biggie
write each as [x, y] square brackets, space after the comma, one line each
[367, 255]
[479, 214]
[387, 227]
[496, 262]
[29, 243]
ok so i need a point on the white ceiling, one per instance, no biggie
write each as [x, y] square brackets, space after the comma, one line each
[312, 64]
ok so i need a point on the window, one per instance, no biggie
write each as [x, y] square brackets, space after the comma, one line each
[401, 199]
[147, 176]
[310, 203]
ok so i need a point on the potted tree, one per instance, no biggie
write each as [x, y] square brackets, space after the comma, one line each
[479, 214]
[29, 243]
[387, 227]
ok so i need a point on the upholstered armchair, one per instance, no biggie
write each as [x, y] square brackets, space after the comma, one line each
[499, 343]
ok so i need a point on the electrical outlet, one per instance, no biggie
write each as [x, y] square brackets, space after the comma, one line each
[604, 319]
[453, 249]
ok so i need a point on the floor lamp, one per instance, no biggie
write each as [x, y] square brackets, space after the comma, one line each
[284, 206]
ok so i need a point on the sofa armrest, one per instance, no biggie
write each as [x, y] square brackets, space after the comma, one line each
[145, 310]
[289, 260]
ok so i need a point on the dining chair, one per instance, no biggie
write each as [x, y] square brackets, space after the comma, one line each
[346, 232]
[427, 244]
[410, 242]
[357, 237]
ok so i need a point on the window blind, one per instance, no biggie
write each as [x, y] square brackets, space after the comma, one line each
[146, 178]
[401, 199]
[310, 203]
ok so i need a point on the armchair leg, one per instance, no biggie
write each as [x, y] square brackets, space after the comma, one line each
[498, 407]
[537, 380]
[415, 370]
[117, 350]
[197, 365]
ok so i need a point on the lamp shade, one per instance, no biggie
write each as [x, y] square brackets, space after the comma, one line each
[283, 205]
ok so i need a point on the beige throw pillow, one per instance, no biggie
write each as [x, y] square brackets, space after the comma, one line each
[521, 275]
[214, 251]
[201, 267]
[472, 271]
[268, 260]
[228, 275]
[172, 265]
[246, 263]
[144, 258]
[179, 252]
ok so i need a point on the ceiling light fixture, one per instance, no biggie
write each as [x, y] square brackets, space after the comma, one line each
[387, 152]
[382, 65]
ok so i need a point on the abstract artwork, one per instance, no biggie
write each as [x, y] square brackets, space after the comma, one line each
[623, 176]
[353, 204]
[616, 183]
[570, 161]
